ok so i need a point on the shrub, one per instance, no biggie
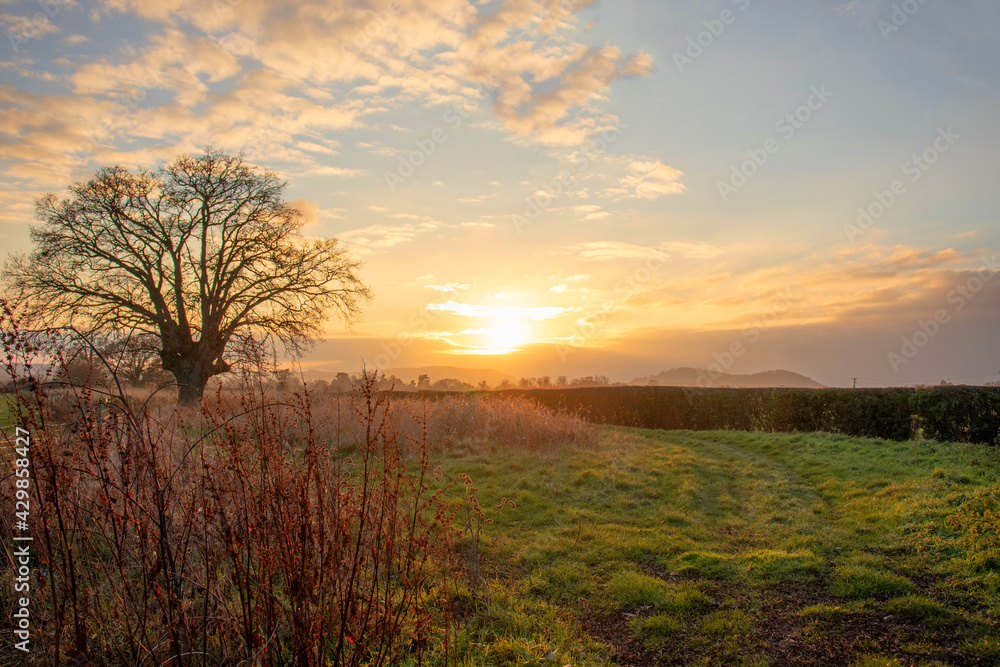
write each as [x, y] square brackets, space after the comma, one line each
[505, 420]
[961, 414]
[234, 533]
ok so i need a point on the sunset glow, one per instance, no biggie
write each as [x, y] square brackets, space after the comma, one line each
[507, 335]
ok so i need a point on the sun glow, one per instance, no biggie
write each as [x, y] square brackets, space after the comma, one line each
[507, 335]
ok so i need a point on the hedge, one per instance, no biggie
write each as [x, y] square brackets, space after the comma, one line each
[950, 413]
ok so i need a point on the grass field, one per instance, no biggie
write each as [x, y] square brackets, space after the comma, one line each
[623, 546]
[6, 403]
[726, 548]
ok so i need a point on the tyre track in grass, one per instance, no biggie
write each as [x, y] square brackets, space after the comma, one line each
[785, 618]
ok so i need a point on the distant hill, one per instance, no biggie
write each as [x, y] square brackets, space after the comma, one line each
[697, 377]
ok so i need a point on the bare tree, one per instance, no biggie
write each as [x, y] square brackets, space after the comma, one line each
[135, 357]
[197, 254]
[82, 368]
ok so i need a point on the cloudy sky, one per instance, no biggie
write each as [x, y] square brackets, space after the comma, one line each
[571, 187]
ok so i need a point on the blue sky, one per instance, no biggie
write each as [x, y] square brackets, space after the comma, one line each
[572, 207]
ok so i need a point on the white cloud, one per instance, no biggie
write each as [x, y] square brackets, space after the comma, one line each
[613, 250]
[314, 147]
[500, 312]
[280, 80]
[325, 170]
[310, 211]
[477, 199]
[647, 179]
[73, 40]
[368, 239]
[21, 29]
[450, 287]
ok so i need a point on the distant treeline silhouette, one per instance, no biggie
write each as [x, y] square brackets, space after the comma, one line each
[344, 383]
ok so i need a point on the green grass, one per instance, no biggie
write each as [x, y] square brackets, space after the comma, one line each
[770, 565]
[705, 564]
[860, 581]
[7, 415]
[631, 589]
[715, 548]
[826, 612]
[931, 612]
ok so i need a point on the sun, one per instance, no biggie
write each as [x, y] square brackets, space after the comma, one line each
[507, 334]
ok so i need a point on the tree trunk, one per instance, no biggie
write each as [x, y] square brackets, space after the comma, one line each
[191, 380]
[190, 387]
[192, 368]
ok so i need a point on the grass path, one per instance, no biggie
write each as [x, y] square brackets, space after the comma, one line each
[722, 548]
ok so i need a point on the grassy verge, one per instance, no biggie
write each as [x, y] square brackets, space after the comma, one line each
[7, 410]
[725, 548]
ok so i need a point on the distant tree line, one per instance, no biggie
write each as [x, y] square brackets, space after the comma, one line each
[344, 383]
[134, 360]
[546, 382]
[93, 358]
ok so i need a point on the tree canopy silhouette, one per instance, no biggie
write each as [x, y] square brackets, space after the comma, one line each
[199, 253]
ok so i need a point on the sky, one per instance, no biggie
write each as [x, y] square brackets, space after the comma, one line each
[570, 187]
